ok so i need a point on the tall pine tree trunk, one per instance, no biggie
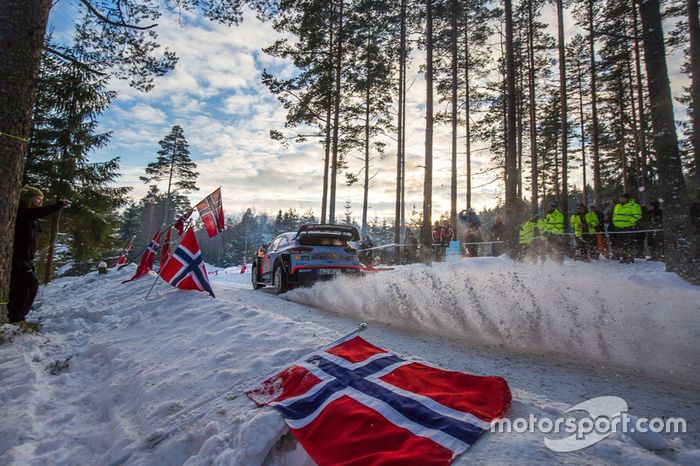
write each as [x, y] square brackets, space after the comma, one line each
[329, 110]
[336, 115]
[426, 230]
[694, 37]
[21, 38]
[467, 108]
[170, 185]
[595, 139]
[453, 181]
[511, 176]
[564, 118]
[399, 139]
[583, 134]
[532, 107]
[679, 257]
[644, 175]
[365, 198]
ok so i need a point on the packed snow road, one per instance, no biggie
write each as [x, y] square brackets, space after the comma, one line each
[110, 369]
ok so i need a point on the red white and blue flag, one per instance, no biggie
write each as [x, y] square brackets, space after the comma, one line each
[147, 259]
[185, 269]
[211, 212]
[244, 267]
[165, 249]
[180, 223]
[358, 404]
[124, 254]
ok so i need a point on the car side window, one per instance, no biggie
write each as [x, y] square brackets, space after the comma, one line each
[284, 241]
[273, 245]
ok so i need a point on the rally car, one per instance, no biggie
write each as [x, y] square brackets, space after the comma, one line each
[315, 252]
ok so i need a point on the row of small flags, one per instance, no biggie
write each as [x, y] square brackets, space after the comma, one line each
[183, 268]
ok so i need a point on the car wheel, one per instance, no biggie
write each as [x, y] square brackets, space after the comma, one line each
[254, 277]
[280, 280]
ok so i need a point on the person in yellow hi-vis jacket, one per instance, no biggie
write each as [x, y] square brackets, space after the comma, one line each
[625, 217]
[554, 232]
[526, 237]
[581, 232]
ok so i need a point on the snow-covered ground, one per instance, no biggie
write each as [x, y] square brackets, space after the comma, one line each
[110, 369]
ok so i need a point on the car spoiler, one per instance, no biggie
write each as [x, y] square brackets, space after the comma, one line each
[343, 231]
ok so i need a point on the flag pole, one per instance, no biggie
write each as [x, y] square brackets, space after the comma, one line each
[160, 269]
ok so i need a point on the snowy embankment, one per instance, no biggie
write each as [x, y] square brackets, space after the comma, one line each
[109, 369]
[608, 314]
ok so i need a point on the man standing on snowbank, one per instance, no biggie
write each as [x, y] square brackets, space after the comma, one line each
[625, 216]
[23, 281]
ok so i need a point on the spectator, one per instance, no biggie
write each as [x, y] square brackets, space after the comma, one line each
[498, 233]
[471, 239]
[554, 232]
[411, 247]
[437, 241]
[614, 239]
[581, 231]
[526, 237]
[653, 219]
[365, 255]
[626, 215]
[23, 281]
[469, 215]
[448, 234]
[597, 243]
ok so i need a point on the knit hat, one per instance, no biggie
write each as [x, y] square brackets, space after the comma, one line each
[28, 193]
[553, 204]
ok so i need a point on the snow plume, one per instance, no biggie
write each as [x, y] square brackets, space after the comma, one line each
[637, 317]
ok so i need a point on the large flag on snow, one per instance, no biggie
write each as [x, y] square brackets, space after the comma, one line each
[147, 259]
[124, 254]
[185, 269]
[166, 249]
[358, 404]
[212, 213]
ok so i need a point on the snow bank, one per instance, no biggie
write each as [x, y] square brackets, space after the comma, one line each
[109, 369]
[637, 316]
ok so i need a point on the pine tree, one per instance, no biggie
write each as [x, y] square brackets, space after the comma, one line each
[70, 98]
[173, 164]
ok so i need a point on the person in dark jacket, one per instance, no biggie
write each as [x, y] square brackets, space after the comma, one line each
[498, 233]
[23, 281]
[653, 219]
[471, 239]
[411, 249]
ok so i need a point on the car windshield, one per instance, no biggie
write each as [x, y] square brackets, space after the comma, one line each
[321, 240]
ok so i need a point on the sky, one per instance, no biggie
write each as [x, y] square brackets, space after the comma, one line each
[216, 95]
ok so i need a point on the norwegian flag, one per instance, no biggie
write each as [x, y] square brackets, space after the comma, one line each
[147, 259]
[166, 249]
[212, 213]
[179, 224]
[358, 404]
[125, 253]
[185, 269]
[244, 267]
